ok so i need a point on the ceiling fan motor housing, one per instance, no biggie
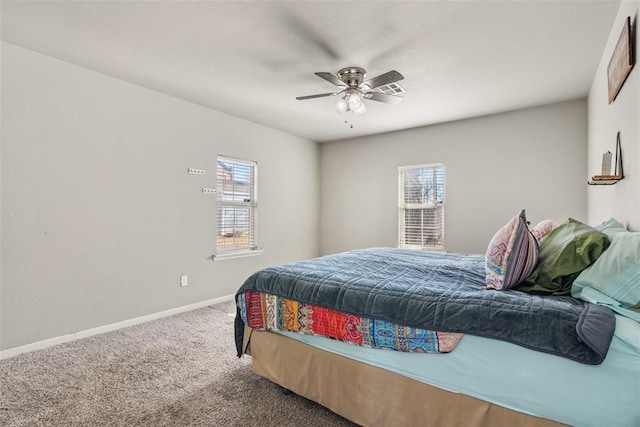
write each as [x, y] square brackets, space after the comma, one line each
[352, 76]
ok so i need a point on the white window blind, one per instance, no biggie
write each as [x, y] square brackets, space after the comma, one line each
[421, 206]
[237, 205]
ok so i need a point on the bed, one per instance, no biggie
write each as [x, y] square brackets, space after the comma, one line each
[416, 338]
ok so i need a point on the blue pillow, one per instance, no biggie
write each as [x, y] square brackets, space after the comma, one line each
[614, 279]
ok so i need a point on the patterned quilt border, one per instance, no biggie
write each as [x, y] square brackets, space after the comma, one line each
[271, 312]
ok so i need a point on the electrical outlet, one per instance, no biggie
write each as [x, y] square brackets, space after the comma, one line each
[209, 190]
[196, 171]
[183, 281]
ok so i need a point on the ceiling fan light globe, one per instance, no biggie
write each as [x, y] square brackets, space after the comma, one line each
[361, 109]
[341, 106]
[355, 102]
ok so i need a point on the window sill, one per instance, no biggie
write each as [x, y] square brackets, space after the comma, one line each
[236, 254]
[424, 248]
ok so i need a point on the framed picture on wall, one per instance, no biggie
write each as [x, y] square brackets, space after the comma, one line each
[621, 61]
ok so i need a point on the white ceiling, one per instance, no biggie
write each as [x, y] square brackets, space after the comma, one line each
[251, 59]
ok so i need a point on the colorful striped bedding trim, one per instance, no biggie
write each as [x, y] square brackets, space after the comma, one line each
[270, 312]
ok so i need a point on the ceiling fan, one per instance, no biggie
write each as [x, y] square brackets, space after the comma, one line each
[355, 89]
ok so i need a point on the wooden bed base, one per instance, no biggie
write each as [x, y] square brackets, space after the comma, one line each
[368, 395]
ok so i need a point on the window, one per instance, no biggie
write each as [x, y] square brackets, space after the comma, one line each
[236, 206]
[421, 207]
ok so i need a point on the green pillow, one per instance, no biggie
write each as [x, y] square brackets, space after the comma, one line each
[564, 253]
[616, 274]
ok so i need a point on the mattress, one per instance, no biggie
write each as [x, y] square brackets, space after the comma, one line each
[371, 396]
[527, 381]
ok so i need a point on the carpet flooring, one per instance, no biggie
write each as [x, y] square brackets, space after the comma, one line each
[176, 371]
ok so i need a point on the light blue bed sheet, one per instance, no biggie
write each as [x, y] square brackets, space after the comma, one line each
[527, 381]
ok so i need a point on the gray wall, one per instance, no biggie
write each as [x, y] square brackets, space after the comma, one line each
[99, 215]
[622, 200]
[494, 166]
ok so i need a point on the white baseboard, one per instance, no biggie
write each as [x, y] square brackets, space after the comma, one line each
[39, 345]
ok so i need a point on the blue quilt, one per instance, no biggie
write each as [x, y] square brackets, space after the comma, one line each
[440, 292]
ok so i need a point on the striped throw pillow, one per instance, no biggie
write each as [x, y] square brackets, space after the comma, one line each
[511, 255]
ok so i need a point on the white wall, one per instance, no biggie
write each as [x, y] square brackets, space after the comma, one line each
[494, 166]
[99, 215]
[622, 200]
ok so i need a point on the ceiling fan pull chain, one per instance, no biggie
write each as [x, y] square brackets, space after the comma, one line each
[347, 121]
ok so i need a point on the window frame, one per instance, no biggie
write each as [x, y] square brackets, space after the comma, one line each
[251, 248]
[437, 204]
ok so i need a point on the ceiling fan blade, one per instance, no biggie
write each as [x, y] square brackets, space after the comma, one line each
[382, 97]
[305, 31]
[381, 80]
[320, 95]
[331, 78]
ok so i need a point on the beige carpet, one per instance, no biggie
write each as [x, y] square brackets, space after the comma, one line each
[177, 371]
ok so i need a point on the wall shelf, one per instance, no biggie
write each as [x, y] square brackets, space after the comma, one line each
[605, 179]
[618, 174]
